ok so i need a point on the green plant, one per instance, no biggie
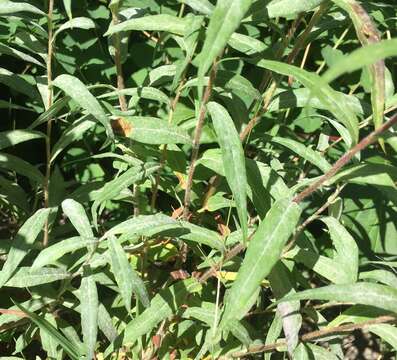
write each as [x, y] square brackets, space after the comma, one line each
[176, 176]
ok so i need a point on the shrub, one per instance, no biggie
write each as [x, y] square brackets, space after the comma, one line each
[178, 176]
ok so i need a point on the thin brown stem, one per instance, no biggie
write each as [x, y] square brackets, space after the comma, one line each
[49, 122]
[317, 334]
[345, 159]
[196, 141]
[313, 217]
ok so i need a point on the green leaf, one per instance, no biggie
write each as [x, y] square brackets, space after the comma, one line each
[9, 7]
[22, 242]
[45, 326]
[68, 8]
[201, 6]
[51, 254]
[150, 130]
[71, 134]
[386, 332]
[25, 277]
[127, 279]
[74, 88]
[13, 163]
[381, 296]
[332, 100]
[246, 44]
[163, 305]
[314, 157]
[160, 22]
[144, 92]
[143, 225]
[79, 22]
[14, 137]
[346, 249]
[224, 21]
[380, 275]
[204, 236]
[288, 8]
[89, 313]
[233, 159]
[264, 250]
[360, 58]
[78, 217]
[7, 50]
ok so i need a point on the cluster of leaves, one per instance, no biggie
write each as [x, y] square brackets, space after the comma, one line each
[175, 176]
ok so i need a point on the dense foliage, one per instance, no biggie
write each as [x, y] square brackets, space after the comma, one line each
[170, 170]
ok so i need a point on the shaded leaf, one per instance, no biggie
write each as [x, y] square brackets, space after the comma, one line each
[233, 159]
[13, 137]
[22, 242]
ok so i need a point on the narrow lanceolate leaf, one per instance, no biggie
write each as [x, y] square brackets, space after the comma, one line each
[144, 225]
[201, 6]
[386, 332]
[264, 250]
[233, 159]
[145, 92]
[89, 313]
[150, 130]
[51, 254]
[7, 50]
[74, 88]
[163, 305]
[346, 249]
[13, 137]
[202, 235]
[79, 22]
[225, 20]
[314, 157]
[45, 326]
[127, 279]
[24, 277]
[380, 296]
[287, 8]
[22, 242]
[333, 101]
[368, 34]
[160, 22]
[78, 217]
[21, 167]
[68, 7]
[9, 7]
[71, 134]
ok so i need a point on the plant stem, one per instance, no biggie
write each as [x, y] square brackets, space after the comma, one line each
[314, 335]
[196, 141]
[368, 140]
[49, 122]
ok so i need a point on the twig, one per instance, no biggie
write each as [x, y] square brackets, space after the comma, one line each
[317, 334]
[313, 217]
[345, 159]
[49, 122]
[196, 141]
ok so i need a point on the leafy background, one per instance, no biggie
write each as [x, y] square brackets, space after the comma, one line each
[153, 166]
